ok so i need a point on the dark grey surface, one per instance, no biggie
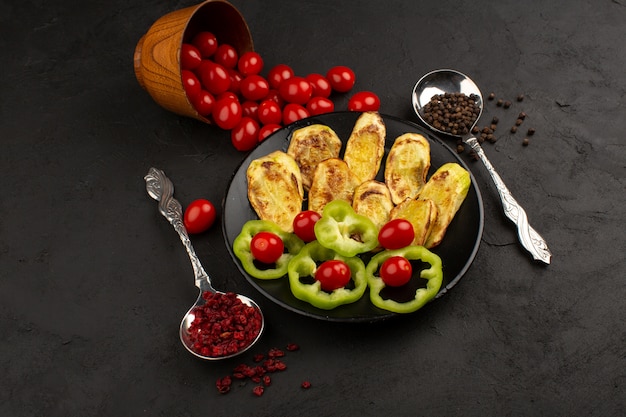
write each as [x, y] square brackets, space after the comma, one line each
[93, 281]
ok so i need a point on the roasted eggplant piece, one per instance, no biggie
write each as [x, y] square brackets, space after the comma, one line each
[311, 145]
[420, 213]
[275, 188]
[407, 166]
[366, 146]
[332, 180]
[372, 199]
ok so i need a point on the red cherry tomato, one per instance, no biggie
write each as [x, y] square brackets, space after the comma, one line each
[235, 80]
[266, 247]
[214, 77]
[396, 234]
[396, 271]
[269, 112]
[245, 135]
[250, 63]
[341, 78]
[199, 216]
[303, 225]
[227, 113]
[274, 95]
[364, 101]
[278, 74]
[321, 86]
[296, 90]
[203, 102]
[320, 105]
[294, 112]
[226, 55]
[250, 109]
[267, 130]
[191, 84]
[227, 94]
[206, 42]
[254, 87]
[190, 57]
[333, 274]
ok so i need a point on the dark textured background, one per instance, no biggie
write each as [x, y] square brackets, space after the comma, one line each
[93, 281]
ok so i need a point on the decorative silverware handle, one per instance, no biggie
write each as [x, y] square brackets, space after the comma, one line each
[530, 239]
[160, 188]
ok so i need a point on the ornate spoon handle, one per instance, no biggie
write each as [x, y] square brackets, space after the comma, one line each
[160, 188]
[530, 239]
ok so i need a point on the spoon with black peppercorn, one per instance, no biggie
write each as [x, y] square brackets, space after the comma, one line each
[449, 102]
[219, 325]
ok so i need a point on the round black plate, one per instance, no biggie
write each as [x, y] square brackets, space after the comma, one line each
[457, 249]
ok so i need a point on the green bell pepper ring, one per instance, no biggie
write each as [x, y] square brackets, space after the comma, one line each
[241, 248]
[433, 275]
[304, 264]
[343, 230]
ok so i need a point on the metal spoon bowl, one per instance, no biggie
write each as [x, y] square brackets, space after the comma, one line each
[451, 81]
[160, 188]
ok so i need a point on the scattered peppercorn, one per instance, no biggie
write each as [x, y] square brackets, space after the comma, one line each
[520, 97]
[507, 104]
[522, 116]
[499, 103]
[513, 129]
[460, 148]
[475, 129]
[491, 96]
[531, 131]
[495, 120]
[518, 122]
[493, 127]
[525, 142]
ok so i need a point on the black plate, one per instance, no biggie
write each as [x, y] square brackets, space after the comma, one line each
[457, 249]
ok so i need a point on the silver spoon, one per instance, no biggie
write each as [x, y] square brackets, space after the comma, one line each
[451, 81]
[160, 188]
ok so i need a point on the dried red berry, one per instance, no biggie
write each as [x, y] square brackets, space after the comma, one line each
[258, 390]
[305, 384]
[267, 381]
[291, 347]
[223, 384]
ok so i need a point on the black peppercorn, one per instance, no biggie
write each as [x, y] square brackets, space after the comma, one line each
[491, 96]
[525, 142]
[507, 104]
[518, 122]
[520, 97]
[531, 131]
[513, 129]
[499, 103]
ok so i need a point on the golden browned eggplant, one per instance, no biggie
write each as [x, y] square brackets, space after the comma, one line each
[332, 180]
[372, 199]
[447, 188]
[366, 146]
[407, 165]
[275, 188]
[422, 214]
[311, 145]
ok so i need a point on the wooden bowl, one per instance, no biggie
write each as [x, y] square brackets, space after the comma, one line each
[157, 54]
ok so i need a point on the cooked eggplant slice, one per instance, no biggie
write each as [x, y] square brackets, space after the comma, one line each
[275, 188]
[372, 199]
[447, 188]
[420, 213]
[311, 145]
[407, 166]
[366, 146]
[332, 180]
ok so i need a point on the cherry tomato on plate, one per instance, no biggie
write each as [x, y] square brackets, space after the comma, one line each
[250, 63]
[199, 216]
[227, 113]
[294, 112]
[278, 74]
[267, 130]
[303, 225]
[206, 42]
[333, 274]
[245, 135]
[269, 112]
[396, 271]
[191, 84]
[364, 101]
[320, 105]
[396, 234]
[266, 247]
[190, 57]
[341, 78]
[254, 87]
[296, 90]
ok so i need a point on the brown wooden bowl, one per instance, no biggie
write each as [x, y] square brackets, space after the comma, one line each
[157, 54]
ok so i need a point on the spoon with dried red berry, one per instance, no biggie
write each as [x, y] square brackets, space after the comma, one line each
[219, 325]
[449, 102]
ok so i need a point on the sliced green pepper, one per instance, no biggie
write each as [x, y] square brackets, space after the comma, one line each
[241, 248]
[344, 231]
[433, 275]
[304, 264]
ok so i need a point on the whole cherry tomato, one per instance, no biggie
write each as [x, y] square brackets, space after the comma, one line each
[333, 274]
[294, 112]
[341, 78]
[254, 87]
[320, 105]
[364, 101]
[191, 84]
[266, 247]
[274, 95]
[278, 74]
[267, 130]
[214, 77]
[199, 216]
[250, 109]
[206, 42]
[190, 57]
[296, 90]
[396, 271]
[269, 112]
[250, 63]
[203, 102]
[303, 225]
[245, 135]
[396, 234]
[321, 85]
[227, 113]
[226, 55]
[227, 94]
[235, 80]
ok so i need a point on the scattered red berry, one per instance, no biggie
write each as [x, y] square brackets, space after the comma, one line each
[305, 384]
[258, 390]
